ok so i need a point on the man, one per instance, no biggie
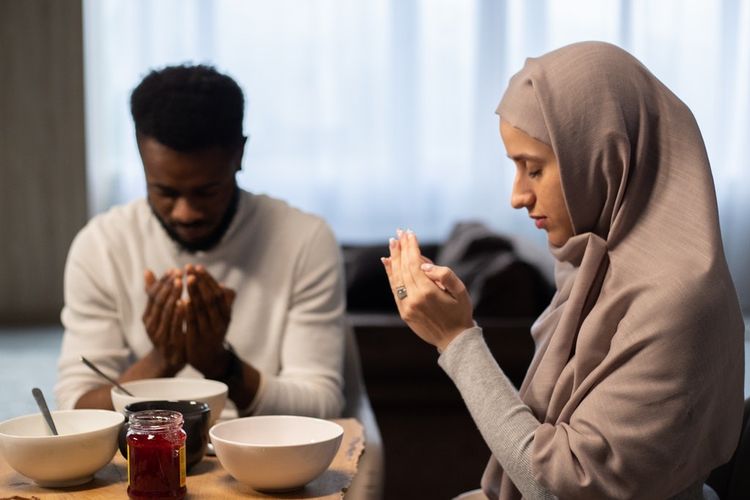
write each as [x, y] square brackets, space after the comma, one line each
[203, 278]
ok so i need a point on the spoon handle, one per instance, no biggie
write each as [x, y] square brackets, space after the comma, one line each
[107, 377]
[43, 407]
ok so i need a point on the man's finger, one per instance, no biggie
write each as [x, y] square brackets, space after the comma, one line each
[152, 315]
[176, 334]
[214, 295]
[157, 285]
[151, 286]
[202, 324]
[148, 279]
[229, 296]
[191, 323]
[178, 319]
[162, 311]
[214, 304]
[167, 311]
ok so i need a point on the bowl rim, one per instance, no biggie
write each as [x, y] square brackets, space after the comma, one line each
[115, 414]
[171, 380]
[202, 405]
[336, 426]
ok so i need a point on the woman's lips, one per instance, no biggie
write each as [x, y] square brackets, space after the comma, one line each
[540, 222]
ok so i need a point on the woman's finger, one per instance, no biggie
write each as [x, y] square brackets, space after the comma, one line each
[445, 276]
[426, 266]
[394, 246]
[387, 266]
[397, 288]
[395, 276]
[406, 262]
[412, 256]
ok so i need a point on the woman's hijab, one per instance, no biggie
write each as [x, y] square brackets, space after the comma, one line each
[637, 379]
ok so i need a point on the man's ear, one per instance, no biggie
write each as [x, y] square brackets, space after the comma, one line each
[237, 160]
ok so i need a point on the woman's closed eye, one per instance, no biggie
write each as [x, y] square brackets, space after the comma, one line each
[532, 166]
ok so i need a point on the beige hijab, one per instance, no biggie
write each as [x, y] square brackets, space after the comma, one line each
[638, 373]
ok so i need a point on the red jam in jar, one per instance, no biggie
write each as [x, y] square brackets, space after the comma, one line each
[156, 455]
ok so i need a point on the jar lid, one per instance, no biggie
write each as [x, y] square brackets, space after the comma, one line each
[154, 420]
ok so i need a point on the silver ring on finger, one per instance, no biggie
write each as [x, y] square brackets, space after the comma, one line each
[401, 292]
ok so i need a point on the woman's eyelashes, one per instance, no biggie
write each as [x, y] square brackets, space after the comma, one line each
[533, 169]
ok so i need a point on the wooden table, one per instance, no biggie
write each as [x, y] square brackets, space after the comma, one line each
[206, 480]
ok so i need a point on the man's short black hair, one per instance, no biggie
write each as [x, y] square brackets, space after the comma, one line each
[189, 108]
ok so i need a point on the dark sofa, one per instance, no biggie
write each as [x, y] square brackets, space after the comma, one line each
[432, 447]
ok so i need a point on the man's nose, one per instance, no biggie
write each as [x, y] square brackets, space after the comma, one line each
[184, 212]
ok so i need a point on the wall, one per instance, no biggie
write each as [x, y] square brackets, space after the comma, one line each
[42, 153]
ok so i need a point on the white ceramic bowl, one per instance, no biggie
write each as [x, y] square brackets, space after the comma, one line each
[276, 453]
[212, 392]
[87, 442]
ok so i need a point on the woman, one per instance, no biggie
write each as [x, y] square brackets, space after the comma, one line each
[635, 389]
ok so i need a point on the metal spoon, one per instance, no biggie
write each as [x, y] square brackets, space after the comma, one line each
[101, 373]
[42, 404]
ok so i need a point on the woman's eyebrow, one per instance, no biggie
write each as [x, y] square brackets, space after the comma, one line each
[526, 157]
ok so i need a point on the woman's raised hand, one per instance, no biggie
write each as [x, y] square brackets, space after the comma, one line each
[430, 299]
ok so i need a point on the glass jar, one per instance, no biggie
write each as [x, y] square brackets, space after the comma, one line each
[156, 455]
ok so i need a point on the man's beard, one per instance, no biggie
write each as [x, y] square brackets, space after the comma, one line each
[212, 239]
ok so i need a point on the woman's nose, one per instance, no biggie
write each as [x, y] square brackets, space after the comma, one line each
[522, 196]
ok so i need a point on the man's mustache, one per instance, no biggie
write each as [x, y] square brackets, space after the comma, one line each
[188, 225]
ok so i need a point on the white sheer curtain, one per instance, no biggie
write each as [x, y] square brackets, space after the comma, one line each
[379, 114]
